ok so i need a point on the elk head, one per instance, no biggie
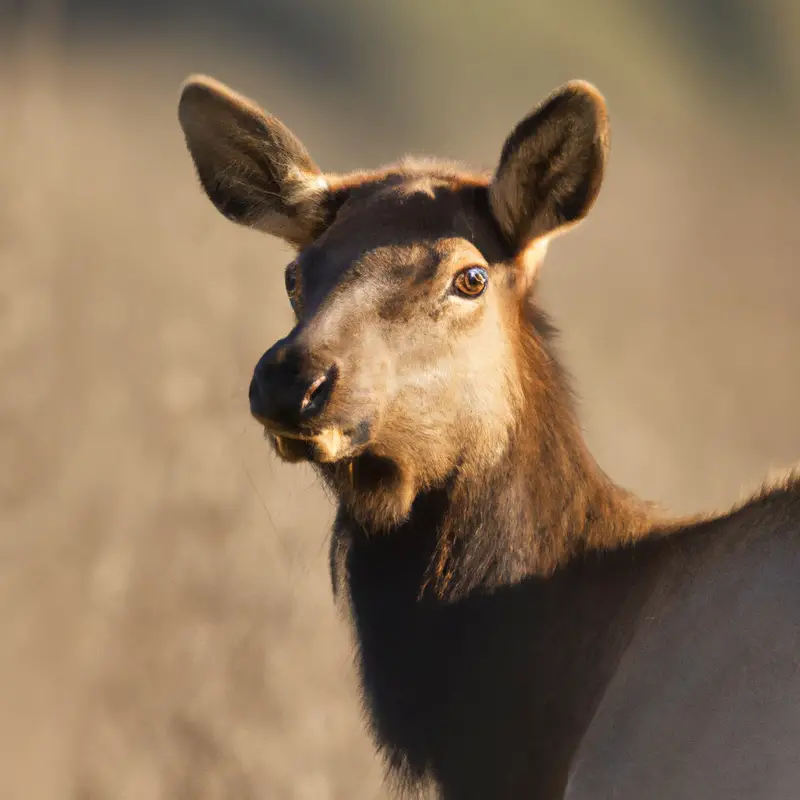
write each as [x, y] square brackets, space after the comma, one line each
[414, 350]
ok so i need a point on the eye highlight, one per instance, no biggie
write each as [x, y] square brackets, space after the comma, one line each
[471, 282]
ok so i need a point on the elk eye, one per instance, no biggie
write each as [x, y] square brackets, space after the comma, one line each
[471, 282]
[290, 279]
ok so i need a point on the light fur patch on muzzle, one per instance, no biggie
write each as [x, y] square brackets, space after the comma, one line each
[330, 445]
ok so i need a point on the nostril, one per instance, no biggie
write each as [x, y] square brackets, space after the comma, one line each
[318, 393]
[314, 392]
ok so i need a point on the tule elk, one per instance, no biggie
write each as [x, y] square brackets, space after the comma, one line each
[525, 627]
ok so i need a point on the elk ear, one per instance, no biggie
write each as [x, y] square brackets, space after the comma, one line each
[551, 166]
[251, 166]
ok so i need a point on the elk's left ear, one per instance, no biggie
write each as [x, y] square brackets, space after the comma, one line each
[551, 166]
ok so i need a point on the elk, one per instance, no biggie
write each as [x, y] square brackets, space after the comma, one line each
[525, 627]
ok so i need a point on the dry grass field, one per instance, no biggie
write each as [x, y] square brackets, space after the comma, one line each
[166, 625]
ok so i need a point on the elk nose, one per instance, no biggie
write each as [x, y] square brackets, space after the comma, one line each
[286, 391]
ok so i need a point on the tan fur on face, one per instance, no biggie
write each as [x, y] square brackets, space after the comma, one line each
[330, 445]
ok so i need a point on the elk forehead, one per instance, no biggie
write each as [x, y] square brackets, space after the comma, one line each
[411, 206]
[414, 228]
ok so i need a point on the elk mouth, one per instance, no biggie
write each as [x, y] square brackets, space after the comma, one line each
[327, 445]
[375, 487]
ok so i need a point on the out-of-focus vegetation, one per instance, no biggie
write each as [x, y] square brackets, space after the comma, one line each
[166, 626]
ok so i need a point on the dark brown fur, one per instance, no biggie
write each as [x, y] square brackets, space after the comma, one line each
[497, 578]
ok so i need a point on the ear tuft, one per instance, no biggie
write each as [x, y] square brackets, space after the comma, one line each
[552, 165]
[251, 166]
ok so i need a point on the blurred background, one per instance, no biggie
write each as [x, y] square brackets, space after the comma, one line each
[166, 625]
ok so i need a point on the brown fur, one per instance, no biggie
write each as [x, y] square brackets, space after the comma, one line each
[468, 500]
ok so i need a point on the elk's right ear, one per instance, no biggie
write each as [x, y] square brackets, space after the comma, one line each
[251, 166]
[551, 166]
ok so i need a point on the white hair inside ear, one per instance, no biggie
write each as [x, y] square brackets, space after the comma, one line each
[532, 257]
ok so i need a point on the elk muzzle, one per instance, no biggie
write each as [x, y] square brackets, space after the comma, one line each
[290, 395]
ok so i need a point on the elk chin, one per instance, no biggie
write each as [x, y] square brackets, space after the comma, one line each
[289, 450]
[377, 491]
